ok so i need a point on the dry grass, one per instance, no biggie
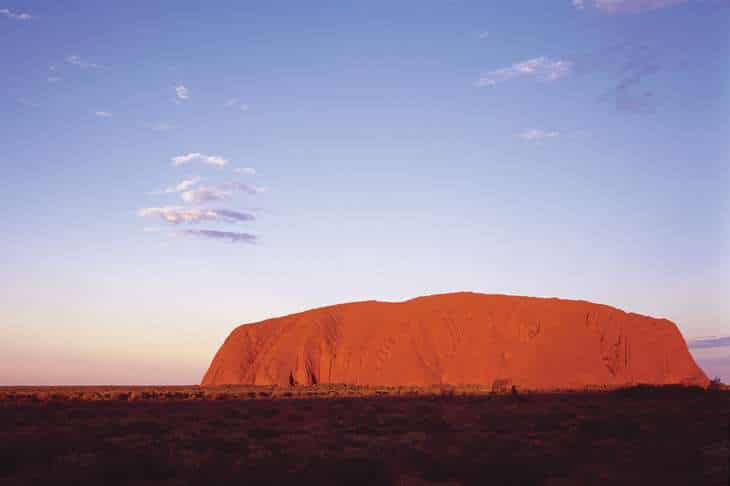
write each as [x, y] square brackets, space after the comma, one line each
[354, 435]
[247, 392]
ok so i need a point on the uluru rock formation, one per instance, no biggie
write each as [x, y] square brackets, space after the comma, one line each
[459, 338]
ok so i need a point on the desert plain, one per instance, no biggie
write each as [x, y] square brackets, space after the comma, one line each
[343, 434]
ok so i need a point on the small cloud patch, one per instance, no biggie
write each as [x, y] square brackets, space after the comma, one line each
[245, 170]
[196, 195]
[206, 159]
[236, 103]
[15, 15]
[537, 134]
[181, 92]
[77, 61]
[542, 68]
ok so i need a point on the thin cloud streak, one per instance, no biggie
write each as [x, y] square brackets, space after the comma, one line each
[240, 187]
[204, 194]
[232, 236]
[236, 103]
[245, 170]
[537, 134]
[15, 15]
[623, 6]
[206, 159]
[77, 61]
[27, 102]
[177, 215]
[542, 68]
[234, 216]
[632, 65]
[160, 126]
[714, 342]
[219, 193]
[103, 114]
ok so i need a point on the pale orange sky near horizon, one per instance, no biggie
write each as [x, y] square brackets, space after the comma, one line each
[133, 355]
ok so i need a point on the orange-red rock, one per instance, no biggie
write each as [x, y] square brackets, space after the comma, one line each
[460, 338]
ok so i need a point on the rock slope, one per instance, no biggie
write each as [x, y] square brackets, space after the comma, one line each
[460, 338]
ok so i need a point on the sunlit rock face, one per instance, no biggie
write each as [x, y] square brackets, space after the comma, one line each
[460, 338]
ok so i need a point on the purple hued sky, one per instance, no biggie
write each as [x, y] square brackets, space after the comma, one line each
[172, 169]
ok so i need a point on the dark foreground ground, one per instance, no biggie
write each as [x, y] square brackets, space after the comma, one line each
[335, 436]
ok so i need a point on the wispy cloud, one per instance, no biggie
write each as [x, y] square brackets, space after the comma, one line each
[621, 6]
[483, 35]
[181, 186]
[54, 79]
[103, 114]
[196, 195]
[235, 216]
[240, 187]
[245, 170]
[219, 193]
[628, 100]
[539, 67]
[77, 61]
[15, 15]
[222, 192]
[27, 102]
[184, 185]
[177, 215]
[204, 194]
[578, 4]
[537, 134]
[632, 65]
[181, 92]
[160, 126]
[206, 159]
[232, 236]
[236, 103]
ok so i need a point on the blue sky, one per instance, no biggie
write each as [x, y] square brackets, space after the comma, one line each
[172, 170]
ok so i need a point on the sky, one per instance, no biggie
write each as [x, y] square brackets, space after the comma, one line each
[172, 170]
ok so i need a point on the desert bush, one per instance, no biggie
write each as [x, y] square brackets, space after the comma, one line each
[501, 385]
[715, 384]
